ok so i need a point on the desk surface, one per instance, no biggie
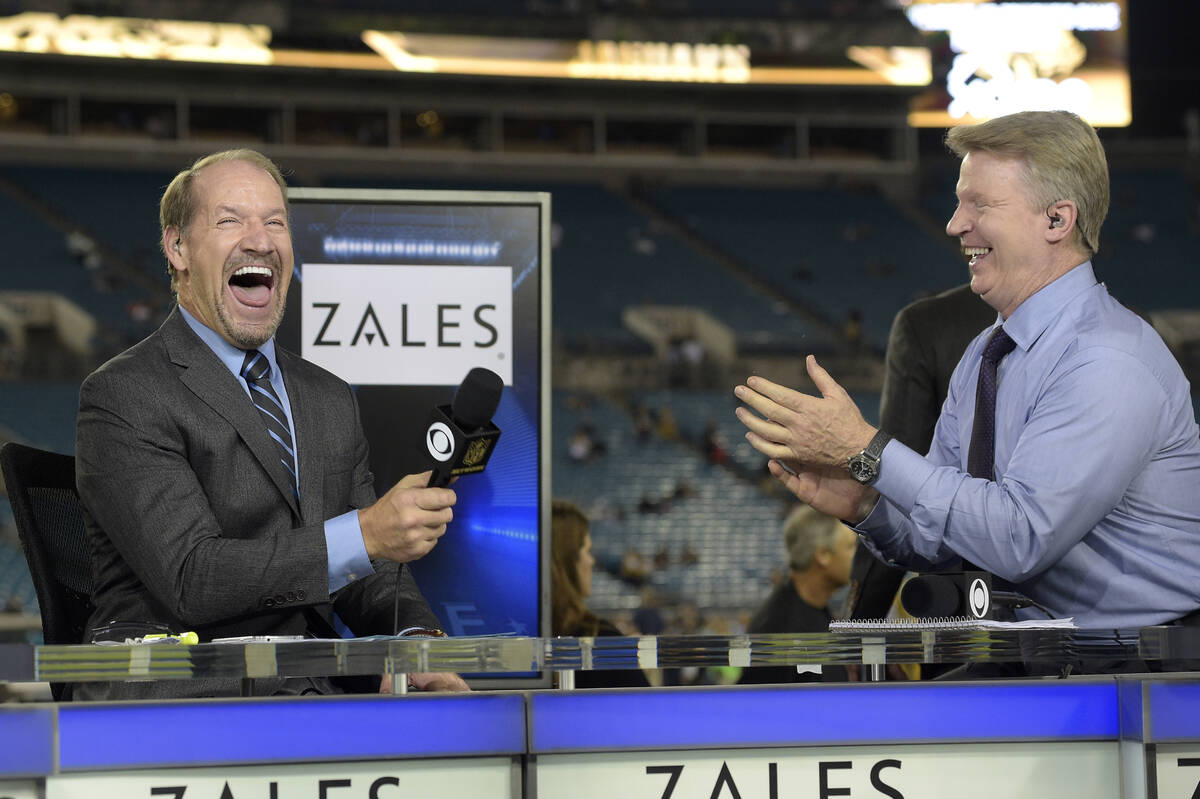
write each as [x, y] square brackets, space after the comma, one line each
[502, 654]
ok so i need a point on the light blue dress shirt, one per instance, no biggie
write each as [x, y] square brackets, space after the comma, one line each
[1095, 507]
[348, 560]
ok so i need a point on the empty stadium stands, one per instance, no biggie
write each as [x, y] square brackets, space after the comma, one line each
[836, 252]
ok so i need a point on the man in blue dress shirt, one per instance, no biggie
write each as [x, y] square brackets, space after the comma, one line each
[1092, 508]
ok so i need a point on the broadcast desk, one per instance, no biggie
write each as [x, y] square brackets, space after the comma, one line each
[1127, 736]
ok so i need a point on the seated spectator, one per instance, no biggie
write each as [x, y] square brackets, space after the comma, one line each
[581, 447]
[648, 619]
[643, 422]
[714, 444]
[683, 490]
[649, 503]
[820, 549]
[668, 429]
[634, 569]
[571, 563]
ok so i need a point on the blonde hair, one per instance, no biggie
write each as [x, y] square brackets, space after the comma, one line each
[178, 204]
[1062, 157]
[568, 529]
[805, 531]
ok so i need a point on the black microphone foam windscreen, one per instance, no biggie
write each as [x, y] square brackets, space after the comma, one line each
[477, 398]
[932, 595]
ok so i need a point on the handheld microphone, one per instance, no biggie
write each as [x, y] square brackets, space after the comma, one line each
[460, 436]
[965, 593]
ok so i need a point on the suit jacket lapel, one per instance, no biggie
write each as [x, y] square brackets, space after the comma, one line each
[209, 379]
[306, 422]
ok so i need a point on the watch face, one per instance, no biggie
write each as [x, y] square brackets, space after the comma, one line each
[862, 470]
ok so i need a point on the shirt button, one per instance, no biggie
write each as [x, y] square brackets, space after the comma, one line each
[279, 599]
[300, 595]
[291, 596]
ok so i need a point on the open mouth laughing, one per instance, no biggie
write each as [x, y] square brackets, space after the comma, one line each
[975, 254]
[252, 285]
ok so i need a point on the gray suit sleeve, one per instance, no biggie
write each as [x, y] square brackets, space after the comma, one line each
[384, 603]
[387, 601]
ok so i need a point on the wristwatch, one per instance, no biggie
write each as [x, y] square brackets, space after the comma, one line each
[864, 467]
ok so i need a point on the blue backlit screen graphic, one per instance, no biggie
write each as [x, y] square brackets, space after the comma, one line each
[485, 576]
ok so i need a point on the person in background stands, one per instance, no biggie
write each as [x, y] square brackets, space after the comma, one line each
[571, 563]
[819, 550]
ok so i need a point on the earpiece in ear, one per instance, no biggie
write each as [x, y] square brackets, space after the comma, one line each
[176, 245]
[1055, 221]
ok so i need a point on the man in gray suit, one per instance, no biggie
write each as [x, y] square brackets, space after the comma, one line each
[224, 480]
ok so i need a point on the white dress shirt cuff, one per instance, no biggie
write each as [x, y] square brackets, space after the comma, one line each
[348, 559]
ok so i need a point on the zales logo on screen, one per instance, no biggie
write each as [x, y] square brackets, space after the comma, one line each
[407, 325]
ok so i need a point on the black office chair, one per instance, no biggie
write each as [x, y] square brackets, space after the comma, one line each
[41, 488]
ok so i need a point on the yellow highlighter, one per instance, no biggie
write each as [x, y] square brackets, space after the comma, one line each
[180, 638]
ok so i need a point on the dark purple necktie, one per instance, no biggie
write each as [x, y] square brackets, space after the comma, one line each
[980, 457]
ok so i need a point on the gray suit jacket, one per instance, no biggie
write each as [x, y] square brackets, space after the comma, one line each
[190, 518]
[927, 341]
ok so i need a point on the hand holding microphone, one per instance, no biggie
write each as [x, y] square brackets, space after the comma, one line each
[407, 521]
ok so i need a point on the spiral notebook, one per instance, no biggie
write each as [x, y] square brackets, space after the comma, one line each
[946, 623]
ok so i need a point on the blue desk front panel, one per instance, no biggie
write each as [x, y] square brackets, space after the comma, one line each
[1174, 712]
[816, 715]
[1131, 708]
[120, 736]
[26, 741]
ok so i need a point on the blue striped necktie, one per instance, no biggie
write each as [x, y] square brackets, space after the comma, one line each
[257, 372]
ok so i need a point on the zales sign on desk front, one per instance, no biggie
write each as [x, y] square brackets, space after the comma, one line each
[934, 771]
[468, 777]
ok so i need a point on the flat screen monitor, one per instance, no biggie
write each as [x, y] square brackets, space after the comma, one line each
[401, 293]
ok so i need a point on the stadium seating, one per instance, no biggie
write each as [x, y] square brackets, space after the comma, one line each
[40, 414]
[610, 256]
[832, 251]
[1149, 240]
[657, 495]
[16, 586]
[116, 206]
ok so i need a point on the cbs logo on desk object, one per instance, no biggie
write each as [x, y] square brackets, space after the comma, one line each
[979, 598]
[397, 325]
